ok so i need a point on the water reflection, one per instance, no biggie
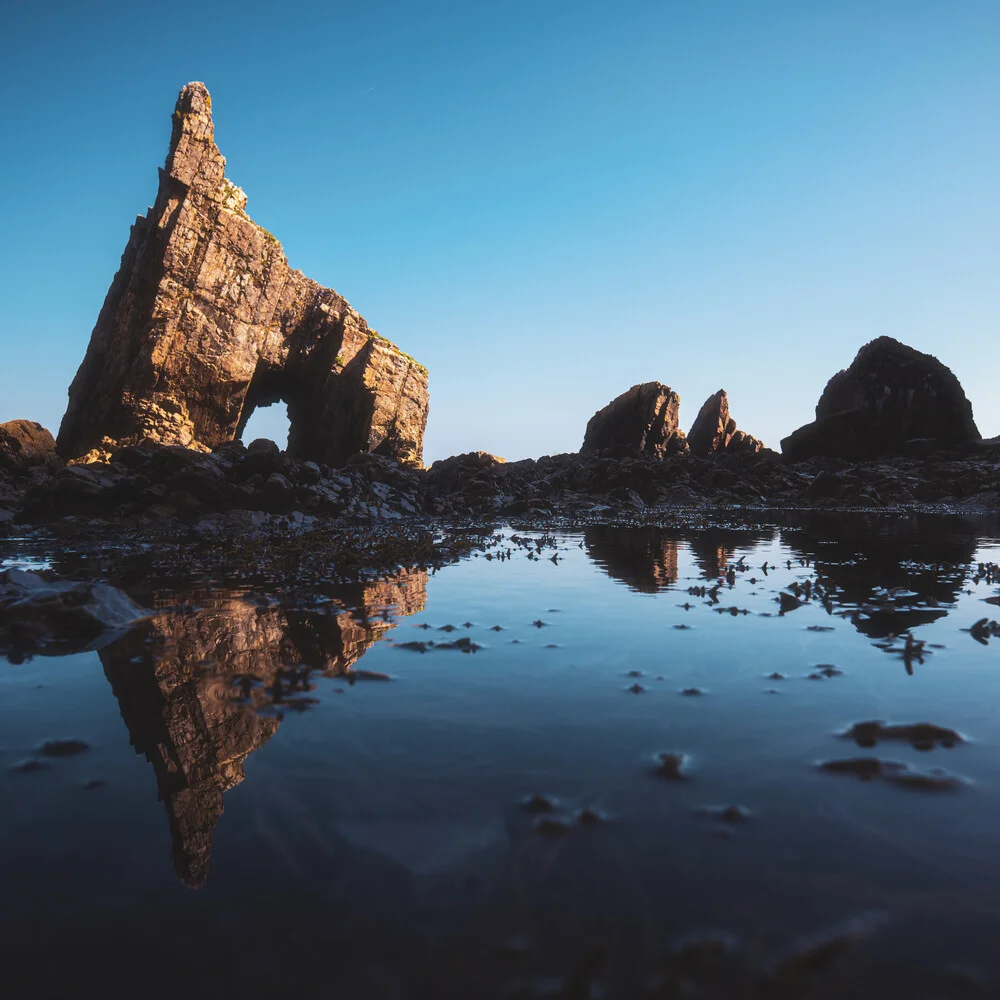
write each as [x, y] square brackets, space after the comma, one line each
[200, 690]
[886, 575]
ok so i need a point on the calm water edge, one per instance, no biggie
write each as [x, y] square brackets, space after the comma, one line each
[612, 762]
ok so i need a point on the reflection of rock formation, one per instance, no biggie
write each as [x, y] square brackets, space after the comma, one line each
[713, 548]
[643, 558]
[891, 574]
[201, 690]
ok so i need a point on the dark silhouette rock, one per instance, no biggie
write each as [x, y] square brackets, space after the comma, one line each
[891, 395]
[642, 419]
[26, 445]
[205, 321]
[714, 430]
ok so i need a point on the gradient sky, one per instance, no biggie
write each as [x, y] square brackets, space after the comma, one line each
[544, 202]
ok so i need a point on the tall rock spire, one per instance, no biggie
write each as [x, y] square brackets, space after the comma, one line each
[205, 321]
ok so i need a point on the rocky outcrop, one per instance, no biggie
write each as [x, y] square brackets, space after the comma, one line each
[642, 419]
[205, 321]
[202, 691]
[890, 396]
[714, 430]
[55, 617]
[26, 445]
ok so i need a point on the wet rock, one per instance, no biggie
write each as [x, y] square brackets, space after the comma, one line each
[62, 747]
[183, 353]
[894, 772]
[672, 766]
[692, 692]
[714, 430]
[797, 966]
[733, 815]
[643, 419]
[920, 735]
[537, 803]
[39, 615]
[28, 764]
[788, 602]
[890, 394]
[463, 645]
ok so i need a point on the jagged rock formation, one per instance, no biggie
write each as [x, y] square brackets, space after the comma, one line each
[642, 419]
[202, 691]
[26, 445]
[205, 321]
[891, 394]
[714, 430]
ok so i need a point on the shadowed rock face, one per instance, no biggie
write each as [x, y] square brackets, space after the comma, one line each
[644, 419]
[891, 394]
[205, 321]
[714, 430]
[201, 691]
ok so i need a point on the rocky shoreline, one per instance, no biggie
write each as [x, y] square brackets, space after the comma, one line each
[156, 483]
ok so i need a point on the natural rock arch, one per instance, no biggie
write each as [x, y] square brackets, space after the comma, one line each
[205, 320]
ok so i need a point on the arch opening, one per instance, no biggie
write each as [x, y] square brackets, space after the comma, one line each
[268, 421]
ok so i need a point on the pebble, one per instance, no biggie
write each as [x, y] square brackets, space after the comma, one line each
[62, 748]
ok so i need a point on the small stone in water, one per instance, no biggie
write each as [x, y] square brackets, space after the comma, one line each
[537, 803]
[62, 748]
[671, 765]
[28, 764]
[692, 692]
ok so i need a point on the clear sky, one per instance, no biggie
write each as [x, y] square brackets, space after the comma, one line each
[544, 202]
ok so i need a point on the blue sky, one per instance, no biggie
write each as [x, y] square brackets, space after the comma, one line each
[543, 202]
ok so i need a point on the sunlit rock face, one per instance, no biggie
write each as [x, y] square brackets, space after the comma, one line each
[202, 690]
[890, 395]
[205, 321]
[644, 419]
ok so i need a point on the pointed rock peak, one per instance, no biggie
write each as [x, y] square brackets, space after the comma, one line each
[194, 159]
[194, 98]
[715, 430]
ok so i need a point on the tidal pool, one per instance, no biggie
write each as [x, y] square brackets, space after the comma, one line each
[616, 762]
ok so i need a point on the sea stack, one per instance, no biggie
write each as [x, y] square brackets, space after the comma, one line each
[205, 321]
[891, 394]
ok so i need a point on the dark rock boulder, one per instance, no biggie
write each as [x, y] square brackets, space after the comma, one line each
[714, 430]
[890, 395]
[205, 321]
[26, 445]
[642, 419]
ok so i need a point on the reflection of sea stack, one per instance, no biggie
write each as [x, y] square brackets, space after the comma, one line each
[645, 559]
[176, 680]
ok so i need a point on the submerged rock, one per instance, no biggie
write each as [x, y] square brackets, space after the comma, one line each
[920, 735]
[36, 614]
[890, 395]
[205, 321]
[643, 419]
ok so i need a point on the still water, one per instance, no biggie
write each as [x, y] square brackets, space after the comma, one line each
[582, 764]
